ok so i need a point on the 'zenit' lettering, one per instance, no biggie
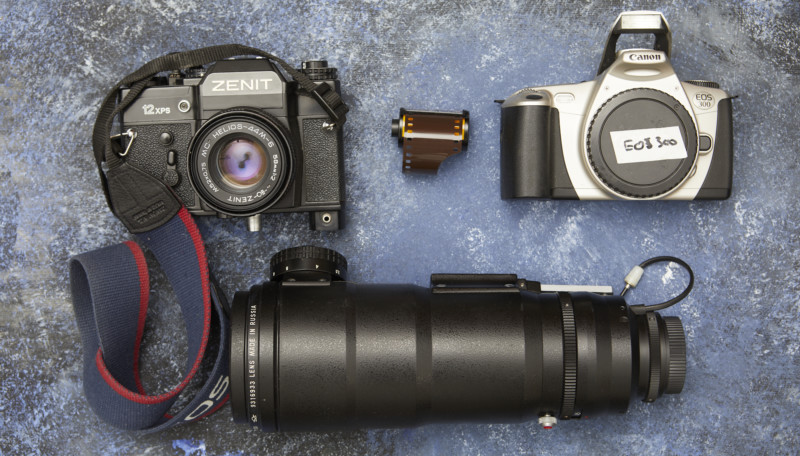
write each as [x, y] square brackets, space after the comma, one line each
[239, 85]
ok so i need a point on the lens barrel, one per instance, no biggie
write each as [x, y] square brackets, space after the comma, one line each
[240, 161]
[323, 355]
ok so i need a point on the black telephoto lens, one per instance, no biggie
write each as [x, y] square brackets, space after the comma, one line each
[311, 351]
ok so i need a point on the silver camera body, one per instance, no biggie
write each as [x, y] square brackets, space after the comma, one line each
[635, 132]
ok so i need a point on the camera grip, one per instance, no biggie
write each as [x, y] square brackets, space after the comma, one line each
[525, 152]
[322, 165]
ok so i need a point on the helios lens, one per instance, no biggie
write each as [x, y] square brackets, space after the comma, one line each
[240, 162]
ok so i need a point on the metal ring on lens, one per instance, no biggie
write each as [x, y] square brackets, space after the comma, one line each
[251, 361]
[676, 342]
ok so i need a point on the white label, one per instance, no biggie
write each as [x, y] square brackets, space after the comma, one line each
[648, 144]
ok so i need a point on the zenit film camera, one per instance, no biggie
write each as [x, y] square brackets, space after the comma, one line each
[636, 132]
[239, 139]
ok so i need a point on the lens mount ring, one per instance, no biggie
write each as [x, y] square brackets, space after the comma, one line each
[244, 365]
[240, 161]
[236, 368]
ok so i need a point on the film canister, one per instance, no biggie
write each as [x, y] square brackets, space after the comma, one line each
[429, 137]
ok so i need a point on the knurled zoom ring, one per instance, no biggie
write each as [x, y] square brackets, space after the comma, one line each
[655, 358]
[570, 339]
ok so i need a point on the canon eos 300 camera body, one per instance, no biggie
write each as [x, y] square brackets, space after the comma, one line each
[636, 132]
[238, 139]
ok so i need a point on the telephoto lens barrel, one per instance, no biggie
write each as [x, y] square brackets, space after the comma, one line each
[311, 351]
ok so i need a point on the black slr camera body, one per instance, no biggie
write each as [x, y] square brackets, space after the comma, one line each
[636, 132]
[239, 139]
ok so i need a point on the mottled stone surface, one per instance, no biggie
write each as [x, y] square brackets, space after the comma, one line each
[742, 393]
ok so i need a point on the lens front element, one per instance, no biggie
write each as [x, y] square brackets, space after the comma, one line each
[242, 163]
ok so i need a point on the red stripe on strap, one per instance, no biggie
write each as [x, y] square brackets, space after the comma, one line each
[191, 227]
[125, 392]
[144, 294]
[142, 398]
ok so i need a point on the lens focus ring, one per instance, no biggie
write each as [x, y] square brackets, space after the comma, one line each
[677, 355]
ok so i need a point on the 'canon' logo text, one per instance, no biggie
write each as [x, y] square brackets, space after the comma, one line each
[646, 57]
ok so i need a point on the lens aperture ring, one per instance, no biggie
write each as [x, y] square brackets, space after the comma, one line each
[570, 340]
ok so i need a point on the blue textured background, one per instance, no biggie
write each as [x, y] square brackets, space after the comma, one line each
[742, 392]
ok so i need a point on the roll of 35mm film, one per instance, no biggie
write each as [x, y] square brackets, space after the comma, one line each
[427, 138]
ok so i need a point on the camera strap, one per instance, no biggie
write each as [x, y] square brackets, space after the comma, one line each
[110, 289]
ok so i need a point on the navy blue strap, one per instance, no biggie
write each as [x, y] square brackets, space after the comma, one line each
[110, 290]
